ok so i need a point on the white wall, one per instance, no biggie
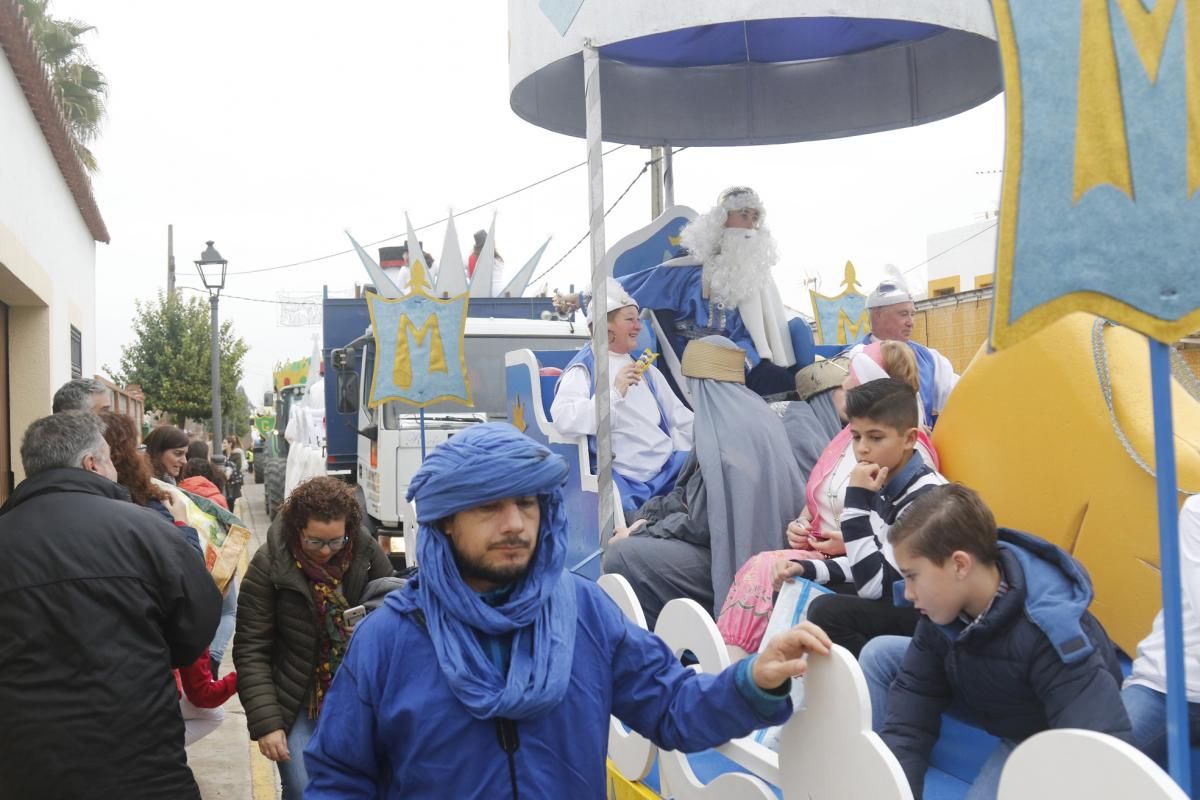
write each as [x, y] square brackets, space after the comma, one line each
[47, 266]
[971, 252]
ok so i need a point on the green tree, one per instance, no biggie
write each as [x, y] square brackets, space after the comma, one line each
[171, 357]
[79, 85]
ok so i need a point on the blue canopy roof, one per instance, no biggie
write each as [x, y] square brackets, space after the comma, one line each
[772, 81]
[766, 41]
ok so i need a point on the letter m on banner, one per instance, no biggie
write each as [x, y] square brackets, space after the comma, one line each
[1100, 208]
[419, 355]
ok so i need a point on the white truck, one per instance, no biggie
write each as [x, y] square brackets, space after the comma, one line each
[388, 438]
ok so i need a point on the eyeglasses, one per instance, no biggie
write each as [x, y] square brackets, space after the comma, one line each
[320, 544]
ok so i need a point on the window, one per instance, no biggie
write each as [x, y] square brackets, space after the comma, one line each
[76, 353]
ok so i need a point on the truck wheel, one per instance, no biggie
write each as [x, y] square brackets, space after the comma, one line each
[258, 471]
[274, 477]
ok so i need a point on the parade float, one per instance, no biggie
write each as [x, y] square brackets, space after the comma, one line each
[1067, 422]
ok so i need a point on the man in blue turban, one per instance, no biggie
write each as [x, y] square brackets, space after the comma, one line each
[495, 669]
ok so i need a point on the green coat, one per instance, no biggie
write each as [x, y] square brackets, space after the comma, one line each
[275, 649]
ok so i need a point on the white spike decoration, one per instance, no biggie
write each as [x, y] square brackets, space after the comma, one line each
[451, 274]
[314, 361]
[383, 284]
[520, 282]
[481, 281]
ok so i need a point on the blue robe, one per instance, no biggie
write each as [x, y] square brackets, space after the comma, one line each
[390, 726]
[680, 291]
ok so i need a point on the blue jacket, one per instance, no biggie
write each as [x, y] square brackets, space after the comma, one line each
[1036, 660]
[391, 727]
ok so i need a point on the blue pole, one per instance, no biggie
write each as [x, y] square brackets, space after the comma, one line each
[423, 435]
[1178, 755]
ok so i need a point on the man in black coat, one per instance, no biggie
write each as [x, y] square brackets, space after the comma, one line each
[99, 599]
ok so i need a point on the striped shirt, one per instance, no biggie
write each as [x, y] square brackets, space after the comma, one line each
[869, 561]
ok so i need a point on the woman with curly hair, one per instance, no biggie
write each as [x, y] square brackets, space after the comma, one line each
[133, 472]
[291, 633]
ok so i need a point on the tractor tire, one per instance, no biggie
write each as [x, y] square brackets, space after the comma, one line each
[258, 470]
[274, 470]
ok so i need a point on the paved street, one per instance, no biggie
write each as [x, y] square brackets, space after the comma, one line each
[226, 763]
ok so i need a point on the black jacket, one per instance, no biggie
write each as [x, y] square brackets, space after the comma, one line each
[99, 599]
[1037, 660]
[275, 647]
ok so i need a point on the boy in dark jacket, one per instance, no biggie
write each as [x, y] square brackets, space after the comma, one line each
[1005, 639]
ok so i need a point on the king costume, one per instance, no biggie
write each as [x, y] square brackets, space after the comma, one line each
[449, 693]
[724, 287]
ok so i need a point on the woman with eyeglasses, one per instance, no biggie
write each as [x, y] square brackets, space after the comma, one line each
[291, 633]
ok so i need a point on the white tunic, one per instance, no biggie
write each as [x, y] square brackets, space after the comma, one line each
[640, 448]
[1150, 666]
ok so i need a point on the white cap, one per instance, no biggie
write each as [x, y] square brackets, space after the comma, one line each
[891, 290]
[617, 298]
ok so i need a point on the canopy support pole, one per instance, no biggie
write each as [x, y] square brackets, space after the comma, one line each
[668, 177]
[1178, 750]
[656, 182]
[599, 319]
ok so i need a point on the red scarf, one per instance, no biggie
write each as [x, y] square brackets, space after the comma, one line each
[332, 634]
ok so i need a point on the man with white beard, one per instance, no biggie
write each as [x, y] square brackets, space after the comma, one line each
[723, 287]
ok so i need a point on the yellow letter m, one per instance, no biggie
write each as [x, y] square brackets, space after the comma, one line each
[1101, 143]
[402, 372]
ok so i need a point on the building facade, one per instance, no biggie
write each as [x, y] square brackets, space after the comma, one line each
[49, 227]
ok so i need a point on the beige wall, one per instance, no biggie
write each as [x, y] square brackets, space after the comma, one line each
[957, 331]
[29, 373]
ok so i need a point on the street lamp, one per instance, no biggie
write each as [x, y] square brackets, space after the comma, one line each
[212, 273]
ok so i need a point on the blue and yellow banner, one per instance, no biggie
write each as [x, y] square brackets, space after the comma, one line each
[843, 318]
[1099, 209]
[419, 347]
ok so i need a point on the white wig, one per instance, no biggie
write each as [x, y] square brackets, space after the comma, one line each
[702, 236]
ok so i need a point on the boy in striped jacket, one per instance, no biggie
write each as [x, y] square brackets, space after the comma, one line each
[889, 475]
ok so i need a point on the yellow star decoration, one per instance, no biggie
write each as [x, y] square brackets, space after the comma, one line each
[419, 281]
[518, 415]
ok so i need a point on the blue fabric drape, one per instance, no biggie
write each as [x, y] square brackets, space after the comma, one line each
[486, 463]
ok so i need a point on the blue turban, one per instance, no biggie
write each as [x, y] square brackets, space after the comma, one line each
[485, 463]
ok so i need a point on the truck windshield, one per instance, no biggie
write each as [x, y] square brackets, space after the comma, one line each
[485, 368]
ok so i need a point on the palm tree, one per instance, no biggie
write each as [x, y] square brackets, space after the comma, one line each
[80, 86]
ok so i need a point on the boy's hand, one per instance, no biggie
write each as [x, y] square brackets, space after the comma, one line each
[786, 655]
[866, 475]
[783, 571]
[828, 544]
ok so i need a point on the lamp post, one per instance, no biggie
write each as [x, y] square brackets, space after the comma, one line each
[212, 273]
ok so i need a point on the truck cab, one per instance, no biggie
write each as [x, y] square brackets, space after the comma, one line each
[388, 437]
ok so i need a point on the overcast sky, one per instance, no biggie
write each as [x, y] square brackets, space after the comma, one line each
[271, 127]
